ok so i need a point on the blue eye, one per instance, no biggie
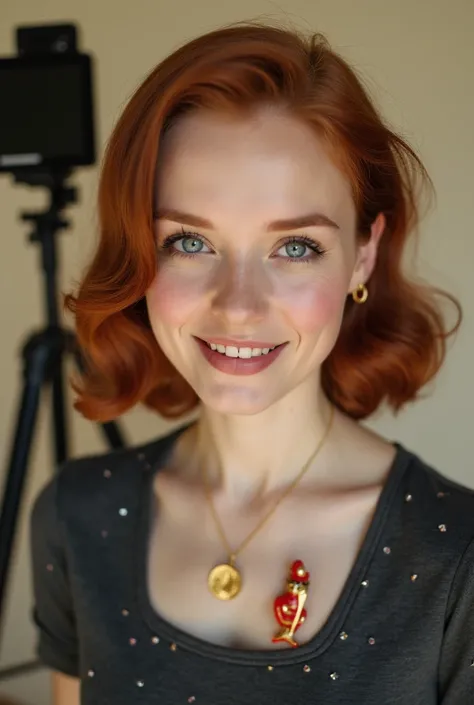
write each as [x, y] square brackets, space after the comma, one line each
[184, 245]
[296, 249]
[190, 245]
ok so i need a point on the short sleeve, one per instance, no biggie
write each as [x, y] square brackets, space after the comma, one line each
[456, 668]
[52, 612]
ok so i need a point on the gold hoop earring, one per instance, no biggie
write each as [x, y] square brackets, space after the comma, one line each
[361, 294]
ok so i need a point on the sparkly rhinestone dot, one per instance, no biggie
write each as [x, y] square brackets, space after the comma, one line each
[440, 495]
[91, 673]
[107, 474]
[408, 497]
[371, 641]
[125, 613]
[414, 577]
[270, 668]
[334, 676]
[104, 533]
[123, 512]
[140, 683]
[343, 636]
[191, 699]
[365, 583]
[306, 669]
[132, 641]
[387, 550]
[442, 528]
[173, 647]
[50, 567]
[155, 640]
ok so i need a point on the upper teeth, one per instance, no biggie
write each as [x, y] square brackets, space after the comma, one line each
[232, 351]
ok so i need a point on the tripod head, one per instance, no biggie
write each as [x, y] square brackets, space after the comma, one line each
[61, 196]
[46, 224]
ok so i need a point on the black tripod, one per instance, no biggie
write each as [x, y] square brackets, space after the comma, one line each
[43, 365]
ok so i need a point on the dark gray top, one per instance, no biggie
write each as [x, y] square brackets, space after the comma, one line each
[402, 632]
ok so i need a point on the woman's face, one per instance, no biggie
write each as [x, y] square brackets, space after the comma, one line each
[227, 269]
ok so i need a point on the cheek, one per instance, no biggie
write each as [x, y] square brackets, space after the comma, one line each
[316, 305]
[170, 298]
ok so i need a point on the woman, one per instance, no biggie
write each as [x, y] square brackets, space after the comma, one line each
[254, 211]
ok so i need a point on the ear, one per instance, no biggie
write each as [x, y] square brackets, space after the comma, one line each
[367, 253]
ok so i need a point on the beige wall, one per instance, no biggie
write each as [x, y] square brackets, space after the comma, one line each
[417, 57]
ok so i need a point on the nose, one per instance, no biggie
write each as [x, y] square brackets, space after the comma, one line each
[242, 292]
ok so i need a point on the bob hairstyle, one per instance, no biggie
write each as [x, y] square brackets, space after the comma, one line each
[388, 348]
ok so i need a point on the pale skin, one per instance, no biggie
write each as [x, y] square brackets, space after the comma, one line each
[256, 432]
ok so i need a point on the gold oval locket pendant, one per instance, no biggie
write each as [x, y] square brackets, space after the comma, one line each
[224, 581]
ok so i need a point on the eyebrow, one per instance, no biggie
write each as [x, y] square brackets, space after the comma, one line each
[302, 221]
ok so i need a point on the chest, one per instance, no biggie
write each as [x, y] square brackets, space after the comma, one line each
[184, 546]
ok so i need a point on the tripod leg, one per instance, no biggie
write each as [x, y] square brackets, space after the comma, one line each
[59, 414]
[20, 451]
[113, 434]
[111, 430]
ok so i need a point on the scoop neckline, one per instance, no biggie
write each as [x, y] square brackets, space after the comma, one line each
[333, 625]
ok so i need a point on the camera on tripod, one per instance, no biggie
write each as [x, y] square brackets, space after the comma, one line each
[46, 119]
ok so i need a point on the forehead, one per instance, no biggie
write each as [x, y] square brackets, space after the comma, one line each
[269, 162]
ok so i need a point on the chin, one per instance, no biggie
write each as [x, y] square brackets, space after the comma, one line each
[236, 400]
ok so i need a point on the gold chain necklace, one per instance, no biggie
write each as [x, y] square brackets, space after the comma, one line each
[225, 580]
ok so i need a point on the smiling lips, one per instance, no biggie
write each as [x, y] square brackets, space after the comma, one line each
[243, 351]
[236, 359]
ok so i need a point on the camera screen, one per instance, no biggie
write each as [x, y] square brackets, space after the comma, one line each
[45, 114]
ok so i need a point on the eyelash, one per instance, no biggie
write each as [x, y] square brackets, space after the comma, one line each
[317, 251]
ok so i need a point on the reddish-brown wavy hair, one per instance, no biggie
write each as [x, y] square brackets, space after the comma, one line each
[388, 348]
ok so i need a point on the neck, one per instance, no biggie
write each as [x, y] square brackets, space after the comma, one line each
[248, 457]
